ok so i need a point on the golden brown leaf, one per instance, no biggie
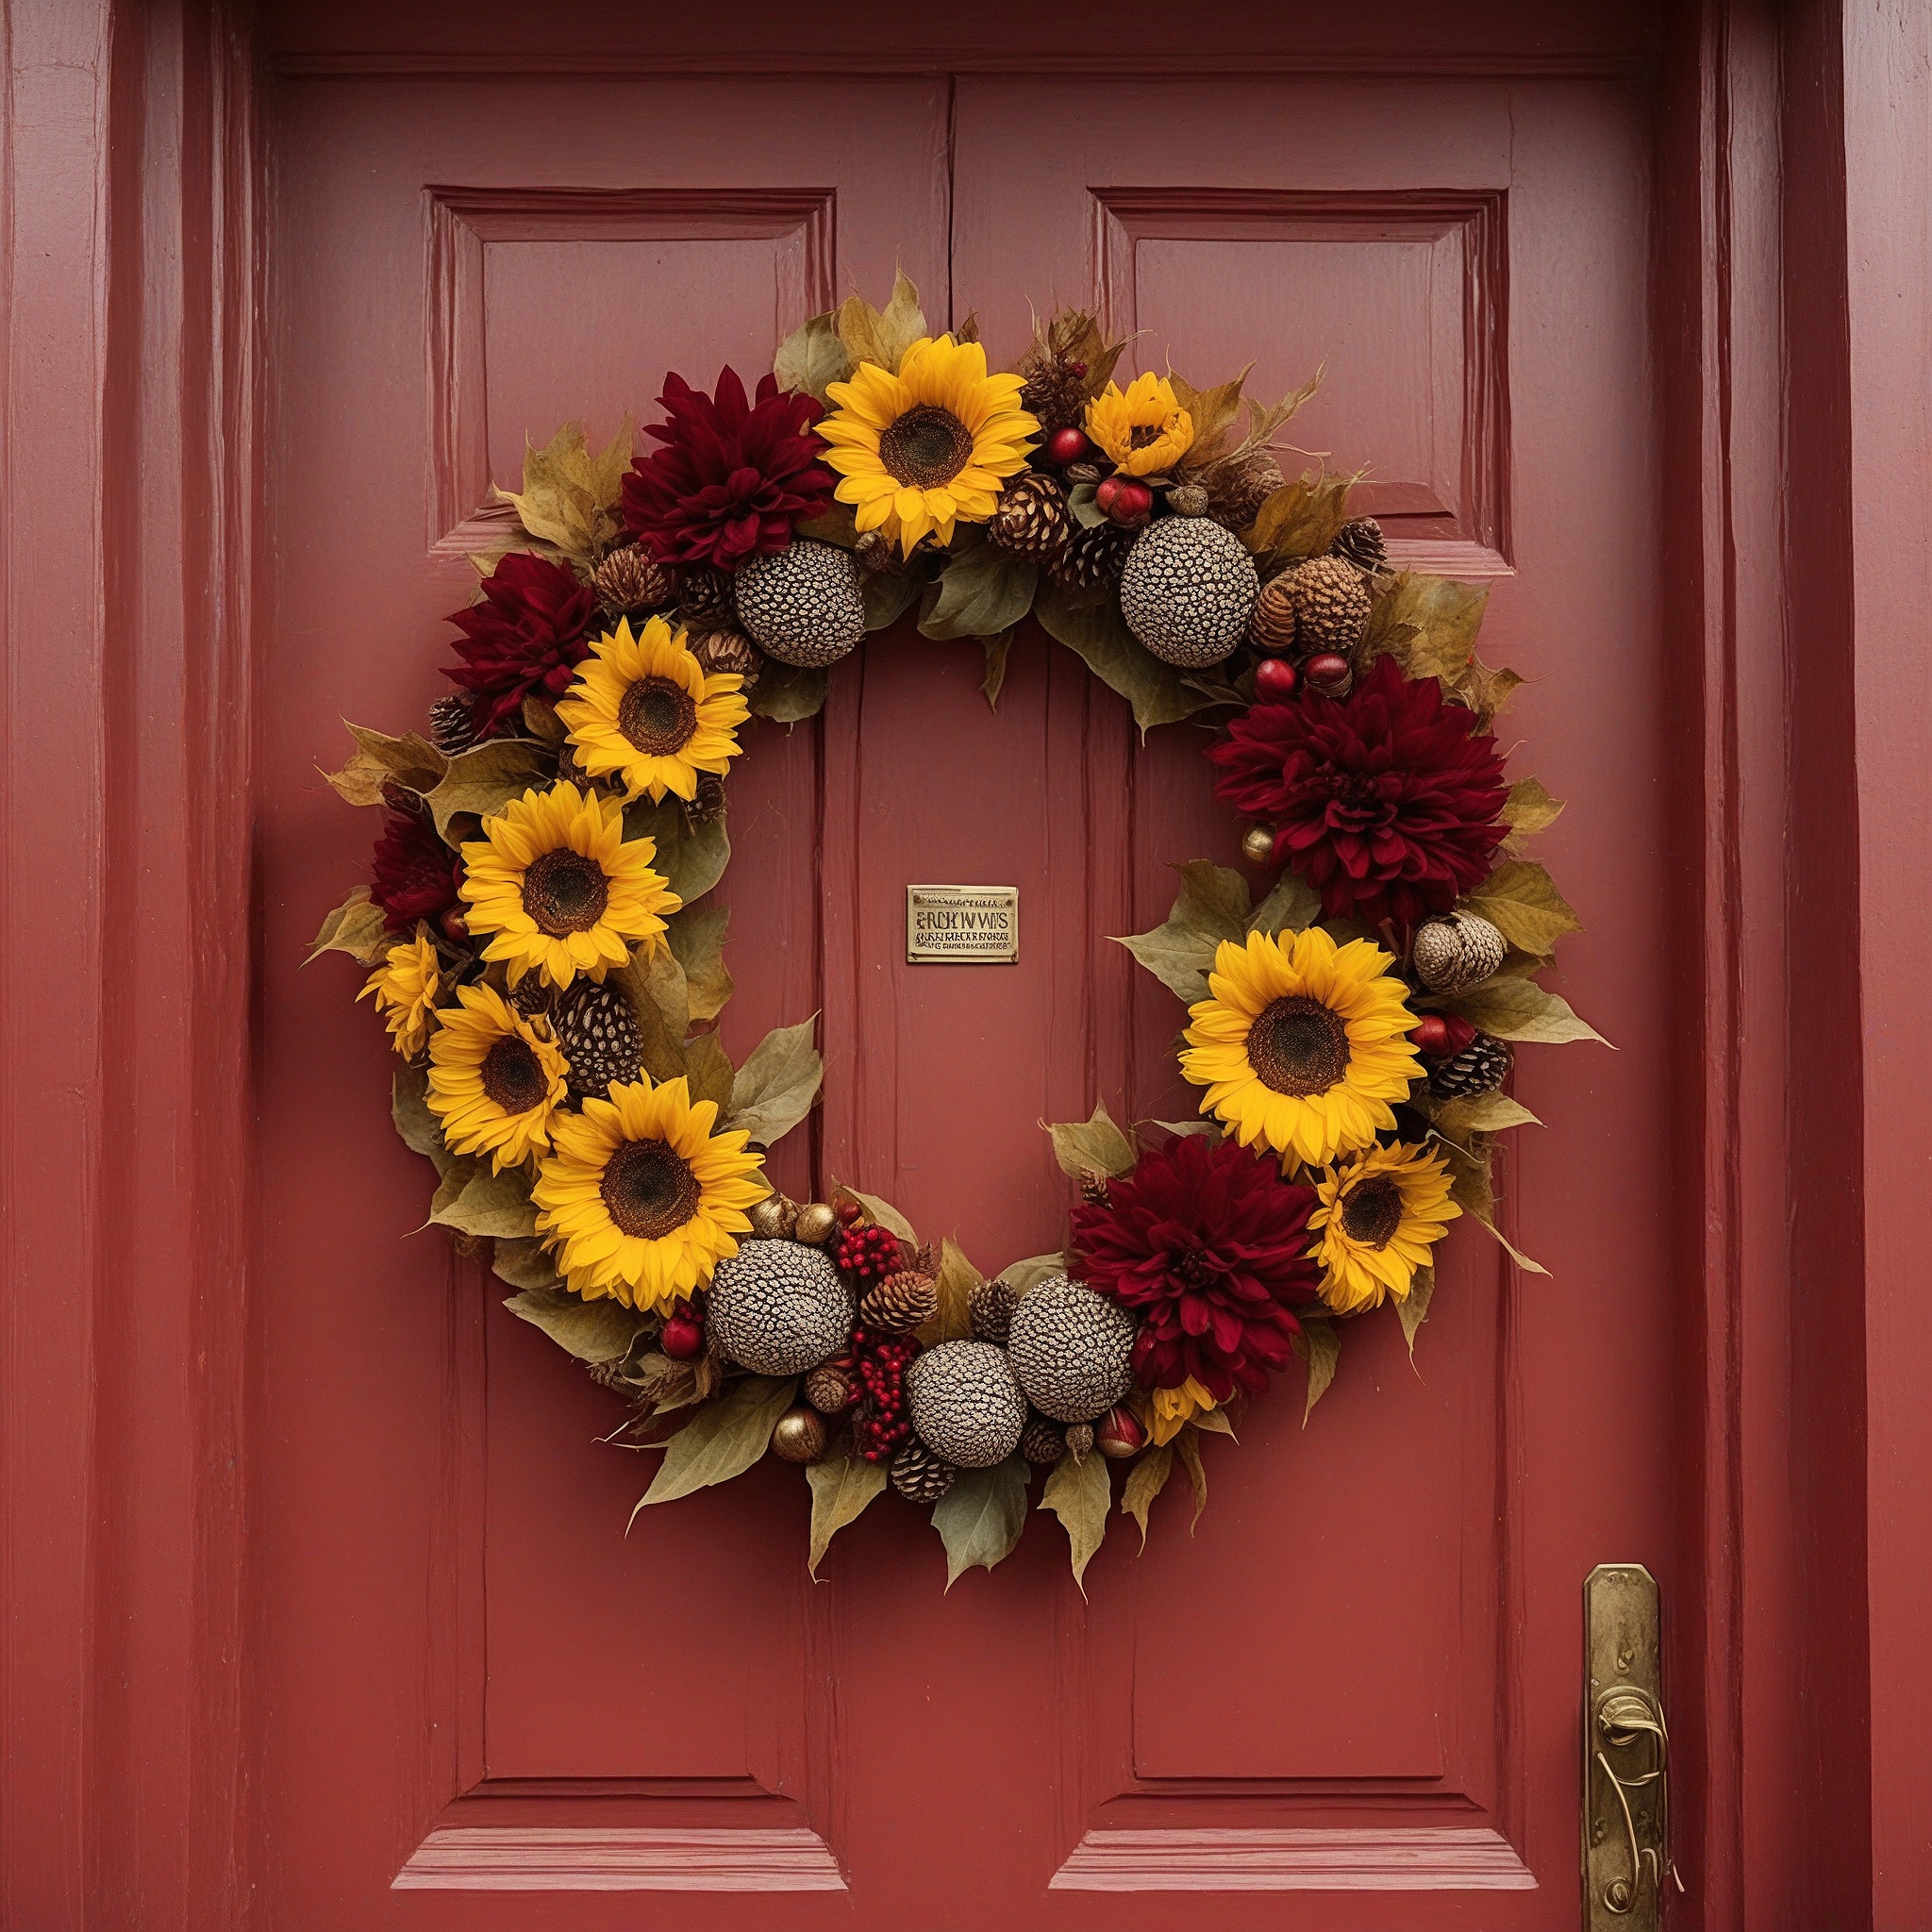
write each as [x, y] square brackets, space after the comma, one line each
[1078, 1492]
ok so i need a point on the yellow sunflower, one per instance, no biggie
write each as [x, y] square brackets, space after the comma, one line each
[640, 1198]
[931, 446]
[1174, 1409]
[554, 878]
[495, 1078]
[1300, 1043]
[406, 985]
[1381, 1211]
[1144, 431]
[643, 709]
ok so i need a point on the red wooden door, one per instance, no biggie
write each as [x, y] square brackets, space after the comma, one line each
[1351, 1697]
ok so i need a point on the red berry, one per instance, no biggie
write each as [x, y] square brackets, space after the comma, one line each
[849, 1211]
[1430, 1035]
[1065, 447]
[1330, 673]
[1127, 500]
[683, 1340]
[1076, 369]
[454, 925]
[1276, 678]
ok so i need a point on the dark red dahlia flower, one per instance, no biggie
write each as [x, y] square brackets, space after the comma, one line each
[529, 633]
[1385, 801]
[413, 873]
[1202, 1243]
[732, 479]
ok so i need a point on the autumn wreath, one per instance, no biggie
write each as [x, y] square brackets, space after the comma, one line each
[546, 943]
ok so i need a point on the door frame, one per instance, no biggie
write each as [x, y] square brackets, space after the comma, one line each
[1792, 264]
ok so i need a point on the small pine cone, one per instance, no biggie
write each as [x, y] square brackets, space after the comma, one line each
[1456, 950]
[879, 555]
[1054, 392]
[1031, 519]
[630, 580]
[1239, 486]
[1331, 605]
[1044, 1441]
[1360, 544]
[1093, 1188]
[921, 1477]
[706, 600]
[599, 1036]
[1272, 627]
[1080, 1439]
[530, 996]
[829, 1390]
[902, 1300]
[453, 722]
[993, 1311]
[1092, 560]
[722, 652]
[707, 800]
[1481, 1067]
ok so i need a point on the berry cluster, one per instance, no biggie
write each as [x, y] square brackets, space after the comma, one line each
[879, 1425]
[867, 1255]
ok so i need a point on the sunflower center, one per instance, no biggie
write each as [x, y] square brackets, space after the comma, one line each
[564, 891]
[512, 1075]
[656, 716]
[1144, 435]
[925, 447]
[649, 1189]
[1373, 1211]
[1298, 1046]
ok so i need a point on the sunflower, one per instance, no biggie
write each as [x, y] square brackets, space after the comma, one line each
[1175, 1409]
[1143, 431]
[931, 446]
[406, 985]
[640, 1198]
[555, 880]
[643, 709]
[1300, 1043]
[1381, 1212]
[495, 1078]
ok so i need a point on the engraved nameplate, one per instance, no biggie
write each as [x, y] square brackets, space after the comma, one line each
[969, 925]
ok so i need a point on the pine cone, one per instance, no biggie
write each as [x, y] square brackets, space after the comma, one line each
[530, 996]
[706, 600]
[453, 722]
[829, 1390]
[1360, 544]
[630, 580]
[1455, 950]
[1481, 1067]
[1272, 628]
[993, 1307]
[900, 1301]
[598, 1033]
[921, 1477]
[1094, 1187]
[722, 652]
[1054, 392]
[1331, 606]
[1044, 1441]
[1092, 560]
[1239, 486]
[707, 800]
[1081, 1440]
[1031, 519]
[879, 555]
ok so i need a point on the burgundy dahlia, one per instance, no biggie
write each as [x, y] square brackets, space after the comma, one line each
[733, 476]
[528, 635]
[412, 873]
[1204, 1244]
[1384, 800]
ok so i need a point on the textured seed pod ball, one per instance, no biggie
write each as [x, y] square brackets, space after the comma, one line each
[778, 1307]
[1454, 951]
[803, 605]
[966, 1403]
[1072, 1349]
[1188, 591]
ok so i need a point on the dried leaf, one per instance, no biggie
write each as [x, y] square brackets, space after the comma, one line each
[1293, 905]
[1470, 1188]
[955, 1278]
[1212, 908]
[1301, 519]
[1520, 1009]
[1521, 902]
[569, 497]
[1413, 1310]
[421, 1132]
[691, 857]
[776, 1085]
[355, 927]
[662, 1041]
[995, 679]
[599, 1331]
[882, 1210]
[1181, 1128]
[709, 1069]
[485, 778]
[842, 1486]
[981, 592]
[1485, 691]
[697, 943]
[1319, 1346]
[1077, 1492]
[542, 723]
[1214, 1421]
[1024, 1276]
[1146, 1477]
[1491, 1113]
[1529, 808]
[870, 335]
[1092, 1146]
[474, 1200]
[1430, 622]
[982, 1517]
[523, 1261]
[410, 761]
[1212, 412]
[812, 357]
[722, 1441]
[787, 693]
[1095, 631]
[1187, 1445]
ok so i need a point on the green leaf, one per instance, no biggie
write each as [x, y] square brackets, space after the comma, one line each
[779, 1082]
[1078, 1493]
[1213, 908]
[1319, 1346]
[644, 983]
[842, 1486]
[1146, 1477]
[708, 1068]
[485, 778]
[722, 1441]
[1413, 1310]
[995, 679]
[884, 1213]
[1024, 1276]
[1520, 901]
[474, 1200]
[888, 594]
[697, 942]
[1529, 808]
[421, 1132]
[1293, 905]
[786, 693]
[523, 1261]
[1520, 1009]
[982, 1517]
[981, 592]
[1187, 1445]
[835, 525]
[1092, 1146]
[542, 723]
[691, 857]
[812, 358]
[1095, 630]
[1083, 505]
[355, 927]
[599, 1331]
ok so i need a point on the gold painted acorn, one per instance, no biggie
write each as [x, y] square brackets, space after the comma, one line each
[815, 1223]
[1257, 845]
[772, 1219]
[799, 1436]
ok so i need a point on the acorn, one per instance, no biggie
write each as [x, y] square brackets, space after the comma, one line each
[1330, 673]
[799, 1436]
[1277, 679]
[1257, 845]
[773, 1218]
[814, 1223]
[1119, 1435]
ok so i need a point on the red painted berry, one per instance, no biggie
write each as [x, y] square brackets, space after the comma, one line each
[1126, 500]
[1330, 673]
[683, 1340]
[1275, 679]
[1065, 447]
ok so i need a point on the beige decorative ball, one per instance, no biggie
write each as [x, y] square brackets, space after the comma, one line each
[1072, 1349]
[778, 1307]
[1188, 591]
[1456, 950]
[966, 1403]
[803, 605]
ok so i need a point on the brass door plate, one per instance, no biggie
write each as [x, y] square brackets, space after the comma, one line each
[963, 925]
[1625, 1856]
